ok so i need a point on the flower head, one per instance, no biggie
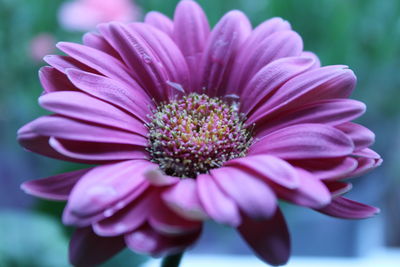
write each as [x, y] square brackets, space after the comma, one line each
[186, 124]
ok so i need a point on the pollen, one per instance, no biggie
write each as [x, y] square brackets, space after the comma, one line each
[196, 133]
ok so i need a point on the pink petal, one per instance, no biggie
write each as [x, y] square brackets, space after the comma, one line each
[83, 107]
[314, 57]
[348, 209]
[57, 187]
[361, 136]
[88, 249]
[53, 80]
[217, 204]
[304, 141]
[365, 165]
[338, 188]
[61, 63]
[105, 185]
[95, 59]
[132, 99]
[270, 168]
[159, 21]
[267, 80]
[252, 195]
[367, 153]
[184, 200]
[322, 83]
[191, 31]
[269, 239]
[311, 192]
[220, 52]
[328, 112]
[98, 42]
[157, 178]
[148, 241]
[65, 128]
[278, 45]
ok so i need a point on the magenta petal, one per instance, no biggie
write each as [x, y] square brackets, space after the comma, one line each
[252, 195]
[53, 80]
[106, 185]
[269, 239]
[267, 80]
[304, 141]
[57, 187]
[314, 57]
[338, 188]
[361, 136]
[61, 63]
[220, 52]
[270, 168]
[311, 192]
[367, 153]
[217, 204]
[83, 107]
[328, 112]
[191, 31]
[160, 21]
[148, 241]
[88, 249]
[348, 209]
[98, 42]
[184, 200]
[364, 165]
[321, 83]
[132, 99]
[157, 178]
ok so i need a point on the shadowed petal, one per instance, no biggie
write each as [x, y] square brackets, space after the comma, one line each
[338, 188]
[88, 249]
[160, 21]
[348, 209]
[53, 80]
[269, 239]
[361, 136]
[98, 42]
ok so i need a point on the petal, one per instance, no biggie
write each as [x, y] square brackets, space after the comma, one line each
[157, 178]
[367, 153]
[98, 42]
[364, 166]
[57, 187]
[217, 204]
[361, 136]
[278, 45]
[322, 83]
[69, 129]
[221, 49]
[252, 195]
[106, 185]
[191, 31]
[61, 63]
[304, 141]
[83, 107]
[311, 192]
[184, 200]
[317, 62]
[160, 21]
[270, 168]
[348, 209]
[88, 249]
[266, 81]
[132, 99]
[269, 239]
[53, 80]
[328, 112]
[338, 188]
[148, 241]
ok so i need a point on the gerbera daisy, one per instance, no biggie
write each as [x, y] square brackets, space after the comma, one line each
[184, 124]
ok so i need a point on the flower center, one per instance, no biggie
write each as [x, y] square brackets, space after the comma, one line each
[196, 133]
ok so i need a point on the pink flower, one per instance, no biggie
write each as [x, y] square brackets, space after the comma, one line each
[84, 15]
[41, 45]
[185, 124]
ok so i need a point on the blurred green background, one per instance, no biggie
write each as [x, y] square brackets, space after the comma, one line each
[363, 34]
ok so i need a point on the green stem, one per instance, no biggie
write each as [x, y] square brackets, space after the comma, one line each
[172, 260]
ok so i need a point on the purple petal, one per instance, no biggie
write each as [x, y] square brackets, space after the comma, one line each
[314, 57]
[328, 112]
[184, 200]
[361, 136]
[53, 80]
[270, 168]
[132, 99]
[83, 107]
[98, 42]
[269, 239]
[191, 31]
[157, 178]
[252, 195]
[220, 52]
[367, 153]
[57, 187]
[304, 141]
[365, 165]
[266, 81]
[311, 192]
[338, 188]
[160, 21]
[348, 209]
[217, 204]
[61, 63]
[88, 249]
[148, 241]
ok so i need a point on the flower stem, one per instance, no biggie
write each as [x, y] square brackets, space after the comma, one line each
[172, 260]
